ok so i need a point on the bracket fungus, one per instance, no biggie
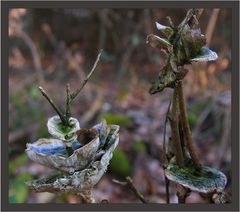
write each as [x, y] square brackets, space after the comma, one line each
[81, 155]
[203, 180]
[81, 170]
[58, 130]
[183, 45]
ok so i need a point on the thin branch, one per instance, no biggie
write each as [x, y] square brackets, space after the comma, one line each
[185, 124]
[211, 25]
[135, 191]
[164, 154]
[68, 102]
[175, 128]
[35, 55]
[165, 160]
[167, 190]
[74, 95]
[182, 193]
[44, 93]
[129, 184]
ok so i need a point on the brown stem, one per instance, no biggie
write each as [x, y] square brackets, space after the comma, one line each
[167, 190]
[174, 120]
[68, 103]
[74, 95]
[44, 93]
[129, 184]
[185, 124]
[182, 193]
[135, 191]
[164, 156]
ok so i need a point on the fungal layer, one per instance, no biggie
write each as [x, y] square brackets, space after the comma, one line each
[88, 145]
[58, 130]
[203, 180]
[85, 179]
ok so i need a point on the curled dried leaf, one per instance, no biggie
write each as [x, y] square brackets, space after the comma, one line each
[158, 42]
[168, 31]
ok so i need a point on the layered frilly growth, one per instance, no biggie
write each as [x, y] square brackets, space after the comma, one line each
[182, 45]
[81, 155]
[204, 180]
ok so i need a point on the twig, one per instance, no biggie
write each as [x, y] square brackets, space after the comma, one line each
[167, 190]
[129, 184]
[74, 95]
[135, 191]
[174, 121]
[164, 154]
[211, 25]
[165, 160]
[185, 124]
[68, 102]
[35, 55]
[63, 119]
[182, 193]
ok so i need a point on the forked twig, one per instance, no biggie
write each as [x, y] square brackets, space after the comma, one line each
[70, 96]
[129, 184]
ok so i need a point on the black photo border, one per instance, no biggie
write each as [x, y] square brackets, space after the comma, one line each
[233, 5]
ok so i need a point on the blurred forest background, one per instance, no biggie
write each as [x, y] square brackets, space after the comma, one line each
[53, 47]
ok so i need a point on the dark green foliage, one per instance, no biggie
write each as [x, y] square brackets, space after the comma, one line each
[120, 164]
[18, 192]
[118, 119]
[34, 92]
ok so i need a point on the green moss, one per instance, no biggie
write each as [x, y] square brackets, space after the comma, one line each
[63, 128]
[205, 179]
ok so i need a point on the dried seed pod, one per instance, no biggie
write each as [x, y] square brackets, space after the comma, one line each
[80, 181]
[203, 180]
[58, 130]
